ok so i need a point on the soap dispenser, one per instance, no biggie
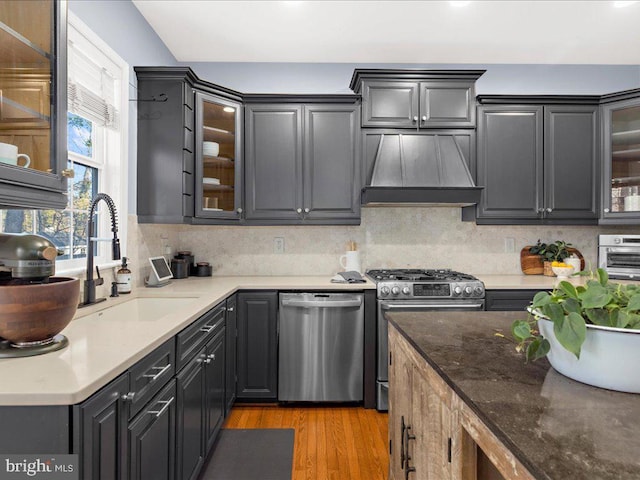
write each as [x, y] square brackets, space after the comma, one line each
[123, 277]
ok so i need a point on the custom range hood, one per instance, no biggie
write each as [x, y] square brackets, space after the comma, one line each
[419, 168]
[419, 136]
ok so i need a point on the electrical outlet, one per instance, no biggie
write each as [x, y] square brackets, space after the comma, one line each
[509, 245]
[278, 245]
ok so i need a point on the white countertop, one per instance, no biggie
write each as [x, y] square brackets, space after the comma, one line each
[99, 349]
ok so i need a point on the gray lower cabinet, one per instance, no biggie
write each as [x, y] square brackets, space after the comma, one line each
[302, 162]
[538, 164]
[200, 397]
[101, 423]
[231, 334]
[257, 345]
[190, 425]
[214, 397]
[152, 440]
[508, 300]
[158, 420]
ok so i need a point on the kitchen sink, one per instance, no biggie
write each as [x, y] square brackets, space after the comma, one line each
[145, 309]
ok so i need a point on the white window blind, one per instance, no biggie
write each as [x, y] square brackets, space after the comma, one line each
[91, 87]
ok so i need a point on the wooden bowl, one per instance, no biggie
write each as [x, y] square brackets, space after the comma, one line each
[35, 313]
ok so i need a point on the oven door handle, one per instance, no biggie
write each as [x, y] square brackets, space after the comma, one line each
[430, 306]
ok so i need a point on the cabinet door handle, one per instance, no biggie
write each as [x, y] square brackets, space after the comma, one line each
[211, 356]
[230, 309]
[154, 377]
[424, 118]
[239, 210]
[298, 210]
[540, 210]
[549, 210]
[307, 210]
[127, 397]
[165, 406]
[415, 119]
[606, 210]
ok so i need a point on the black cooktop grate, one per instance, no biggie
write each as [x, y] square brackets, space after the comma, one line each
[420, 275]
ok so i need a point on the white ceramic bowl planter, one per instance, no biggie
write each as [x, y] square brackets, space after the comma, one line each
[609, 357]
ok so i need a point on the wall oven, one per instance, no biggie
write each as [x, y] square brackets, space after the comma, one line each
[417, 291]
[619, 255]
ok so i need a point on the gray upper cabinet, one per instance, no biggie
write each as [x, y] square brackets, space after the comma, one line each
[417, 98]
[178, 181]
[33, 103]
[390, 104]
[274, 167]
[621, 158]
[538, 163]
[302, 162]
[218, 158]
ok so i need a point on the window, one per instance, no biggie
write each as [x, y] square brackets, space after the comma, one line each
[96, 144]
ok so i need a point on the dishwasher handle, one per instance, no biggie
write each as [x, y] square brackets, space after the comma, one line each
[355, 302]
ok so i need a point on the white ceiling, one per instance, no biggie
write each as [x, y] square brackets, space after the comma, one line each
[425, 32]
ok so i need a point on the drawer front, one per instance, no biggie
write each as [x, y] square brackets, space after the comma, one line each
[149, 375]
[193, 338]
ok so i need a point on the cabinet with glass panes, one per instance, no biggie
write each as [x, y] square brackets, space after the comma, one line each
[621, 179]
[33, 103]
[218, 157]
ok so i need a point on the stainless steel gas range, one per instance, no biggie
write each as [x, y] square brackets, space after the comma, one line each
[417, 290]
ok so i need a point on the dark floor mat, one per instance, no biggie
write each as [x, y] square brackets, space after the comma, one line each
[251, 454]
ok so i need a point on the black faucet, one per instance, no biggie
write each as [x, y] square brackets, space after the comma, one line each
[90, 283]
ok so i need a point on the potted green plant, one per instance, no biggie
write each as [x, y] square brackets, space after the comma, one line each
[551, 252]
[589, 332]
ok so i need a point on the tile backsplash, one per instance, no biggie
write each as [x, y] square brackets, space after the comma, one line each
[433, 237]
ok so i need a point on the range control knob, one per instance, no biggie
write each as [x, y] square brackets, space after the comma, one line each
[478, 290]
[468, 290]
[385, 290]
[395, 290]
[406, 291]
[457, 290]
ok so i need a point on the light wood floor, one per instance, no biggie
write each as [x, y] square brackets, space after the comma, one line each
[331, 443]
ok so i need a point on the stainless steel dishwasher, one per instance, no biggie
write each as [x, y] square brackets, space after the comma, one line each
[320, 347]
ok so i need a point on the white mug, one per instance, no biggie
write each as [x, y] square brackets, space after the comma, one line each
[350, 261]
[9, 154]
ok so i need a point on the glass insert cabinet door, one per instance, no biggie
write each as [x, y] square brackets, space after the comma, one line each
[32, 92]
[623, 157]
[218, 157]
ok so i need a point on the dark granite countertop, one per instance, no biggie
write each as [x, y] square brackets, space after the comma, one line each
[558, 428]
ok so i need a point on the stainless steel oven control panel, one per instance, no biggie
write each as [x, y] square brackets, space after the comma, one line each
[407, 290]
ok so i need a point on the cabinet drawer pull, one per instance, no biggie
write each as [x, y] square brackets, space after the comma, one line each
[155, 376]
[207, 328]
[164, 408]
